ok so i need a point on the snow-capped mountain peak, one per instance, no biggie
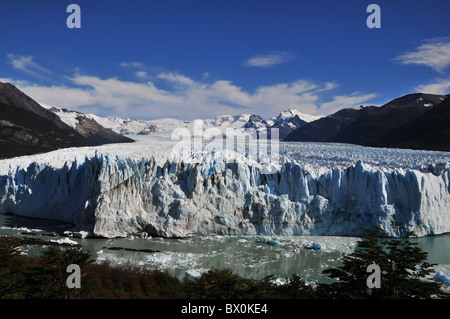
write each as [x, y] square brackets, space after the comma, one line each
[289, 120]
[292, 112]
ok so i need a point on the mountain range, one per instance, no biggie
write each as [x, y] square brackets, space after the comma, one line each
[417, 121]
[287, 121]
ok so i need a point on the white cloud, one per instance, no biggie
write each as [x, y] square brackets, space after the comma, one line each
[299, 94]
[27, 65]
[186, 98]
[141, 74]
[60, 96]
[434, 53]
[345, 101]
[268, 60]
[124, 96]
[226, 92]
[441, 86]
[176, 78]
[14, 82]
[132, 64]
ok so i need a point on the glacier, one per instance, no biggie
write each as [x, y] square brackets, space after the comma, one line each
[320, 190]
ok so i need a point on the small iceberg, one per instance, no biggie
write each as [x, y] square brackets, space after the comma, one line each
[193, 273]
[268, 241]
[314, 246]
[65, 241]
[440, 277]
[272, 242]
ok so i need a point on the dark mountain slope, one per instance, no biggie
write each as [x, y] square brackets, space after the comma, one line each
[381, 126]
[431, 131]
[27, 128]
[325, 128]
[373, 128]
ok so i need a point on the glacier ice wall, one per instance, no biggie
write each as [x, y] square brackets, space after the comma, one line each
[114, 196]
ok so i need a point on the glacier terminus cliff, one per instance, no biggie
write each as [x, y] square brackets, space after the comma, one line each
[318, 189]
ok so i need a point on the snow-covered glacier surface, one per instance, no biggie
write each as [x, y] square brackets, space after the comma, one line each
[319, 189]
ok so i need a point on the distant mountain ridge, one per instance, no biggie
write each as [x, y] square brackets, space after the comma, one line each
[393, 124]
[286, 122]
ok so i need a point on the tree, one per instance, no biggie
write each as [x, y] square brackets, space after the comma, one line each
[224, 284]
[50, 278]
[220, 284]
[403, 269]
[296, 288]
[13, 270]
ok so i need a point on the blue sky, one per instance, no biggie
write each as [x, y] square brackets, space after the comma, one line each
[198, 59]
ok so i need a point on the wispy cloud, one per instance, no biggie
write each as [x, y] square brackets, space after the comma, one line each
[440, 86]
[27, 65]
[434, 53]
[132, 64]
[268, 60]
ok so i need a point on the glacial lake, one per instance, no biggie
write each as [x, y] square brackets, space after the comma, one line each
[248, 256]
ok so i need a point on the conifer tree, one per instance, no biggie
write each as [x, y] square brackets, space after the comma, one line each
[403, 266]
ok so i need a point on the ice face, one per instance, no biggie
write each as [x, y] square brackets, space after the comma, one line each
[318, 189]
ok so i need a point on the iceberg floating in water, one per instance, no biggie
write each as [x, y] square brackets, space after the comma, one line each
[272, 242]
[314, 246]
[268, 241]
[64, 241]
